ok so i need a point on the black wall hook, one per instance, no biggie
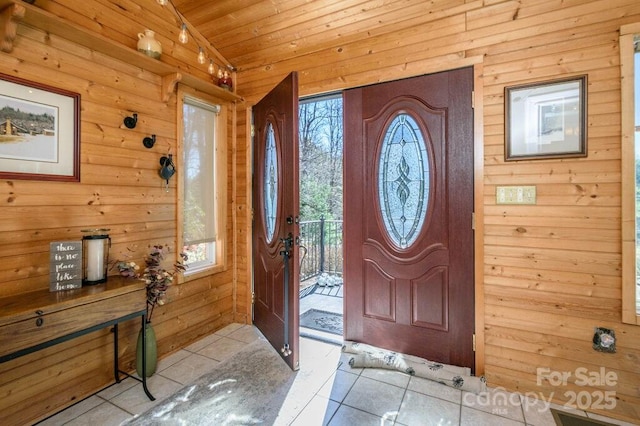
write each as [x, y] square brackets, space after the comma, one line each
[168, 168]
[148, 142]
[130, 122]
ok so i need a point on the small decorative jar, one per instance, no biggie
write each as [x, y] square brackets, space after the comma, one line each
[224, 80]
[148, 44]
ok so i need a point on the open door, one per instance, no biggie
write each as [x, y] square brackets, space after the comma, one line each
[408, 191]
[275, 218]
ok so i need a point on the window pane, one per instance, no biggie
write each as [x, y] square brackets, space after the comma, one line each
[199, 181]
[270, 180]
[403, 181]
[200, 255]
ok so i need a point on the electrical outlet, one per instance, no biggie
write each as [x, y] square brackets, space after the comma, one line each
[604, 340]
[515, 195]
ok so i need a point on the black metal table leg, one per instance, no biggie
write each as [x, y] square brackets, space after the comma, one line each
[116, 368]
[111, 323]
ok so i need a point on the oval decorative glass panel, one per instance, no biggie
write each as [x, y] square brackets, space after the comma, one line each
[270, 181]
[403, 180]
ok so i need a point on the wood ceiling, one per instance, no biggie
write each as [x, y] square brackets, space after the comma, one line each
[256, 33]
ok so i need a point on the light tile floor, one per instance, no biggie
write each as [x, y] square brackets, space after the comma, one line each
[326, 391]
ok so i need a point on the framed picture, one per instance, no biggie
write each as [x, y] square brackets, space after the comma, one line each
[546, 120]
[39, 131]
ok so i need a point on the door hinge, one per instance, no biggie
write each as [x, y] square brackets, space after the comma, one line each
[473, 99]
[473, 221]
[474, 342]
[252, 215]
[253, 130]
[253, 301]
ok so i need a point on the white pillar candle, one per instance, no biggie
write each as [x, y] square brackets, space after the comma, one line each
[95, 259]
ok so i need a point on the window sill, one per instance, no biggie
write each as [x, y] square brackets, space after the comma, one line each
[202, 272]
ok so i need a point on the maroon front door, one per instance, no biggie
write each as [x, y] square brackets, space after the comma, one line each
[275, 210]
[408, 190]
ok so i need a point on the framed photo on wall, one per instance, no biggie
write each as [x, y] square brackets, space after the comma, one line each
[39, 131]
[546, 120]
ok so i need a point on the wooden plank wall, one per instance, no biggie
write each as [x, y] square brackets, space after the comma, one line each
[242, 210]
[552, 271]
[120, 189]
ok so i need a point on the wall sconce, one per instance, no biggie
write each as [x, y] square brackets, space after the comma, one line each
[130, 122]
[95, 256]
[148, 142]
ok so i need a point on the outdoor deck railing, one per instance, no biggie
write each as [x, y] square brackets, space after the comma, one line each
[320, 248]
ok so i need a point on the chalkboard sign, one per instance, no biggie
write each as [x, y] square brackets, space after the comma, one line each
[65, 270]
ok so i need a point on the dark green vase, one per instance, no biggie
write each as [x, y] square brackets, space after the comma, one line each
[151, 352]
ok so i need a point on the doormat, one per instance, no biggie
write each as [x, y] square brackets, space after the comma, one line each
[563, 418]
[316, 319]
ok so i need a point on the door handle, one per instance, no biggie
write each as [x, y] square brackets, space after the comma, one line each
[288, 243]
[291, 220]
[286, 254]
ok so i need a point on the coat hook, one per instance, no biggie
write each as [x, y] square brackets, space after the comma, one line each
[148, 142]
[130, 122]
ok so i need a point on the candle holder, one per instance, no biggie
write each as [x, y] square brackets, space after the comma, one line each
[95, 256]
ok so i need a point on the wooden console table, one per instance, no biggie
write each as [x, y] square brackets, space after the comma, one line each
[33, 321]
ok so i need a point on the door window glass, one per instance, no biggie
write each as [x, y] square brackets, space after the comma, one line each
[403, 180]
[270, 180]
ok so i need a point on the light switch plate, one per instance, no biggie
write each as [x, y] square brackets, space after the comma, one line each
[516, 194]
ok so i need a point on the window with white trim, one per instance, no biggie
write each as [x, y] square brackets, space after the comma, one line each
[203, 183]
